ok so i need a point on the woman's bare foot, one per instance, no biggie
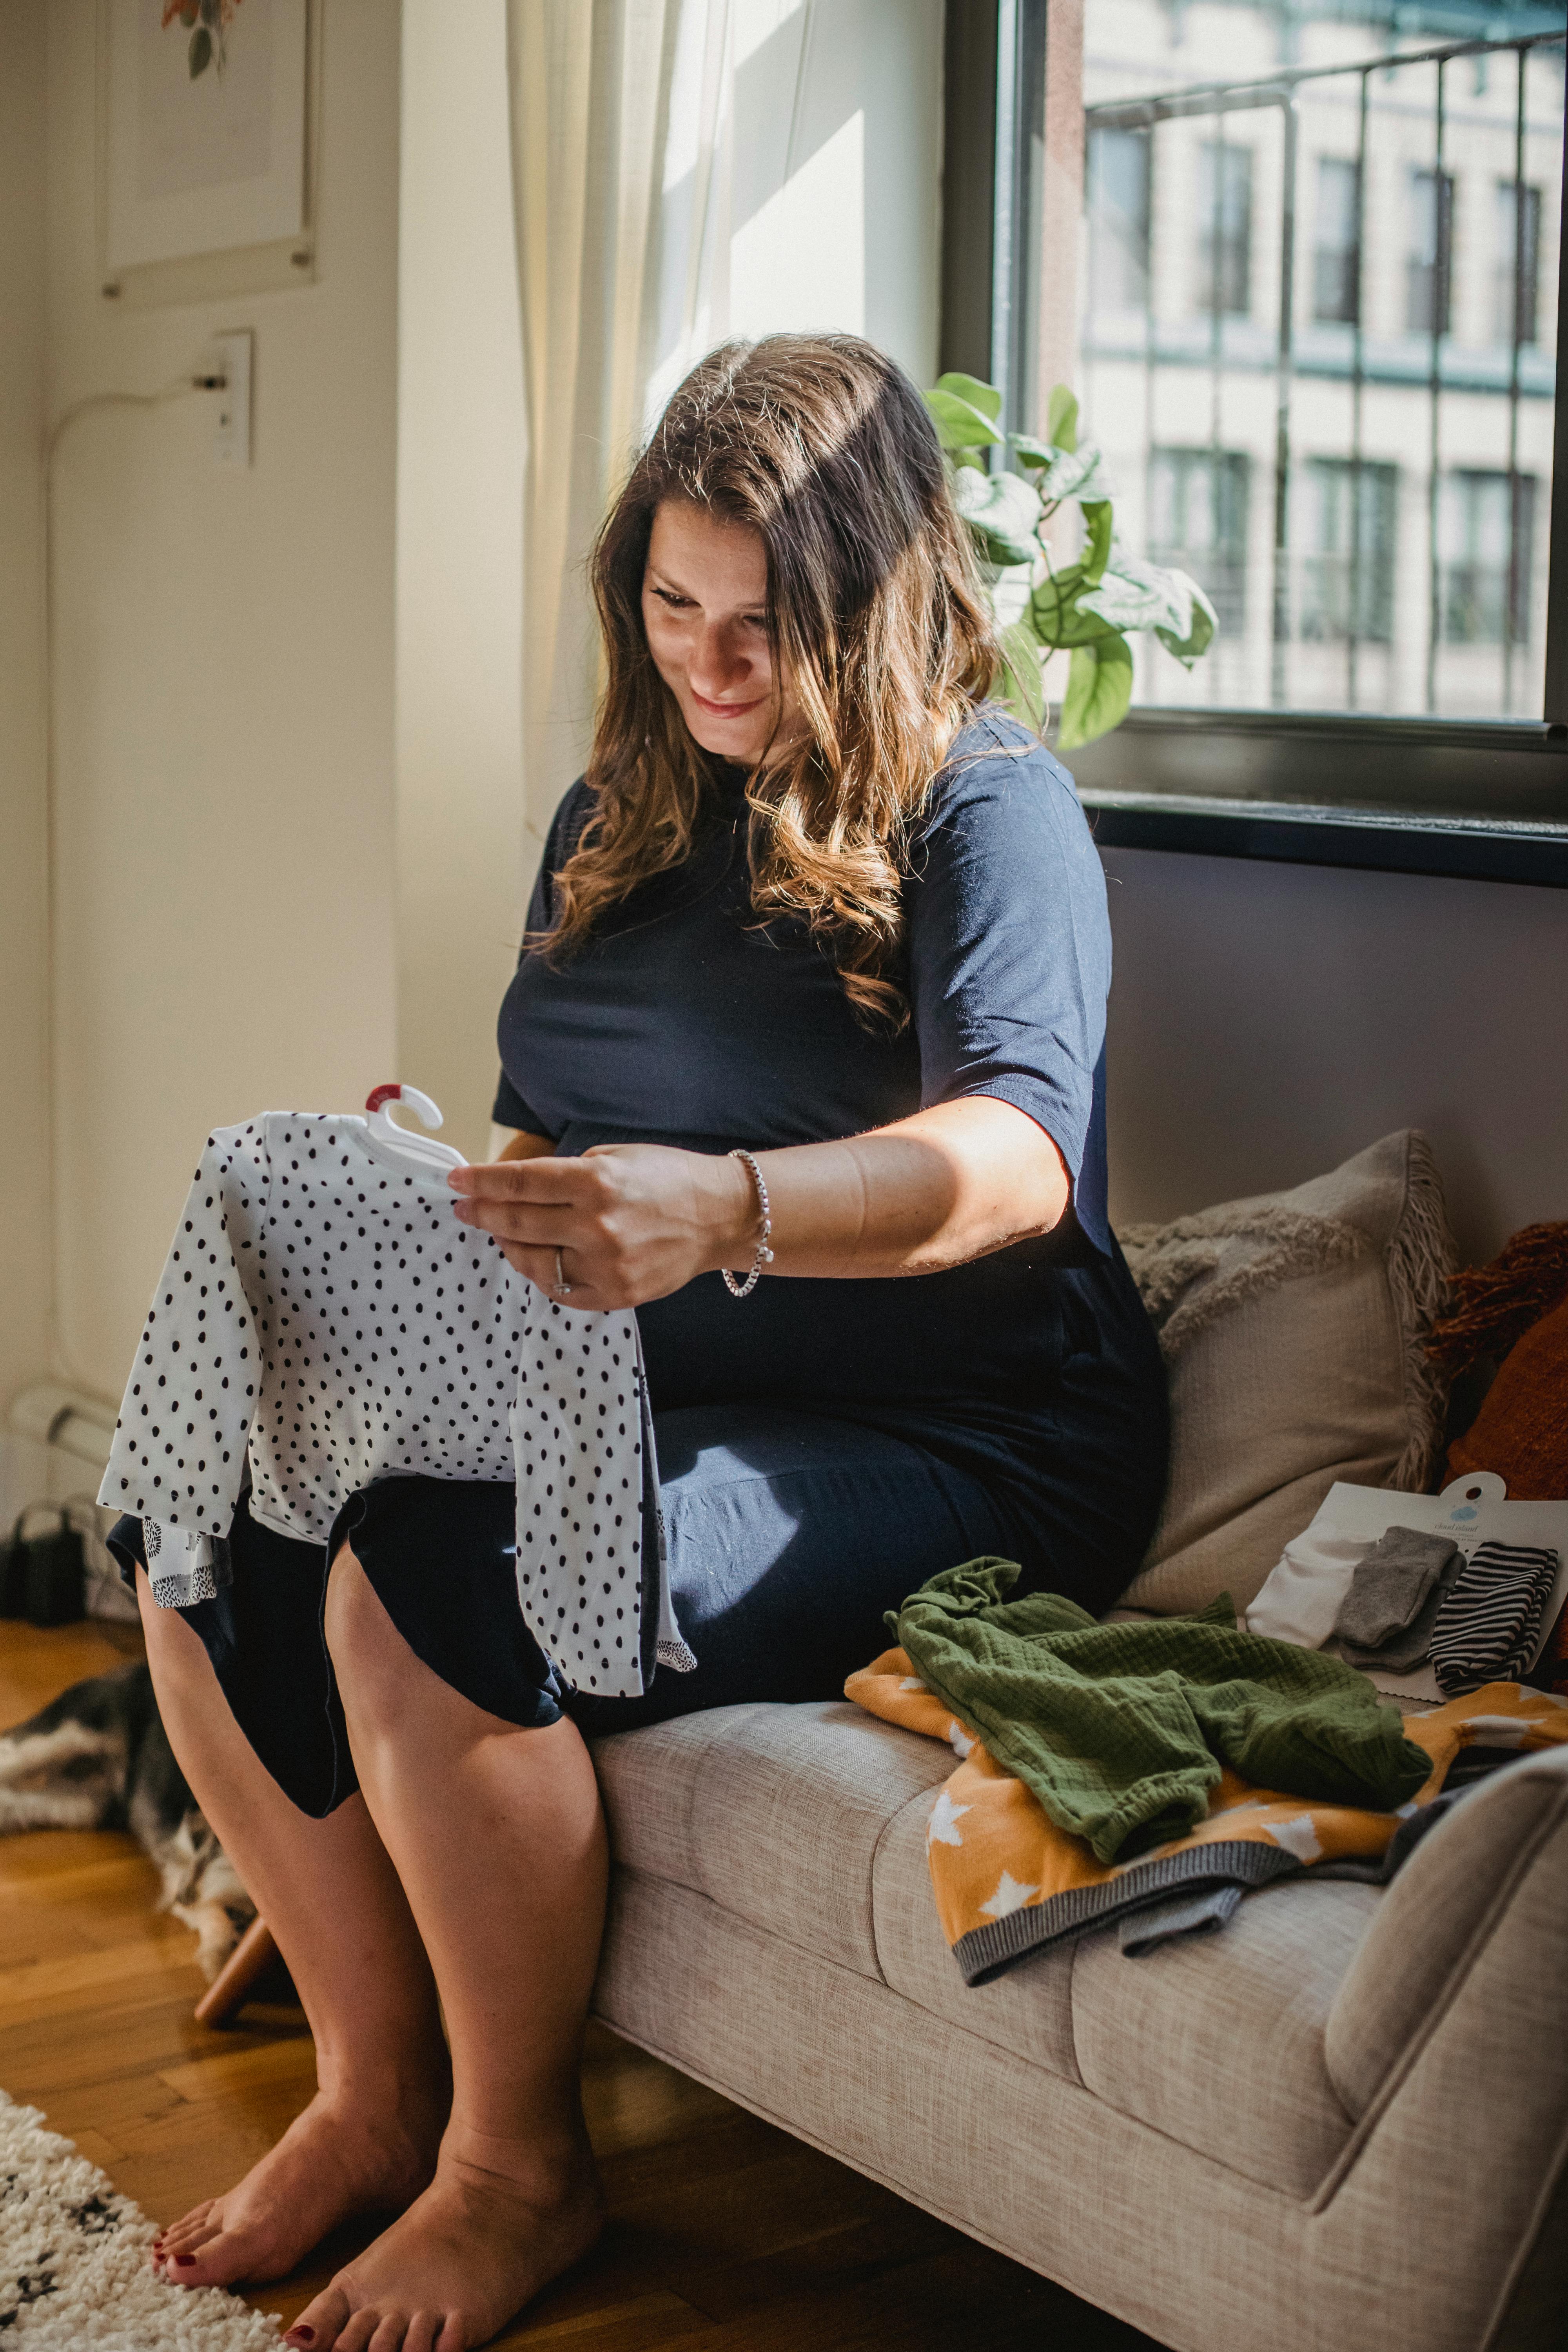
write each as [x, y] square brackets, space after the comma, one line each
[339, 2157]
[495, 2226]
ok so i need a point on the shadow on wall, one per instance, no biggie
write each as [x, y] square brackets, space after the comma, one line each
[1266, 1021]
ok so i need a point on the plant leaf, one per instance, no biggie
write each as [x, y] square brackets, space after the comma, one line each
[959, 424]
[1033, 452]
[1075, 474]
[1097, 515]
[1205, 621]
[1062, 418]
[1001, 510]
[1019, 682]
[1100, 687]
[201, 51]
[1059, 615]
[1137, 594]
[983, 396]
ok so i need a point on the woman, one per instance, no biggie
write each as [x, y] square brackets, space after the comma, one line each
[813, 902]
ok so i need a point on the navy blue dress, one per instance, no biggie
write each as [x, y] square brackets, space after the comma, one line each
[685, 1021]
[824, 1446]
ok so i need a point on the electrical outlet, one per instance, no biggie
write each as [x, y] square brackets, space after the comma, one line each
[231, 431]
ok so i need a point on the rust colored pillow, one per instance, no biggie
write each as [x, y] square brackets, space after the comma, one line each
[1522, 1429]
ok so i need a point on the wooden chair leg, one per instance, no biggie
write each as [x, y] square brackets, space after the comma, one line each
[229, 1990]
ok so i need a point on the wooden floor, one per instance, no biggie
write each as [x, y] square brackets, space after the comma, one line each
[727, 2235]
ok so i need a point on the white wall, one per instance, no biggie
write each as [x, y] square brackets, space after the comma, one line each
[836, 208]
[225, 684]
[465, 862]
[1267, 1021]
[24, 1168]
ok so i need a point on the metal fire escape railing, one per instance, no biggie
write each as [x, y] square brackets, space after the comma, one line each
[1279, 91]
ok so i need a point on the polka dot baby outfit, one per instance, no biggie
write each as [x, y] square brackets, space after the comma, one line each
[325, 1318]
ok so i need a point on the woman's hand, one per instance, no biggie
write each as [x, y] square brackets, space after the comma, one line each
[632, 1221]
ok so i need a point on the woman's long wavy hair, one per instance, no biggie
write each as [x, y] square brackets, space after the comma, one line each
[824, 447]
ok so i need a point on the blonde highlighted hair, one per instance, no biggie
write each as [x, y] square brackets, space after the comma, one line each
[824, 447]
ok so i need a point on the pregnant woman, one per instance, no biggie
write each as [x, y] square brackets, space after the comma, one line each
[803, 1061]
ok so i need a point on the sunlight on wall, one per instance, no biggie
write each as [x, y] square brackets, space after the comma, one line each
[800, 262]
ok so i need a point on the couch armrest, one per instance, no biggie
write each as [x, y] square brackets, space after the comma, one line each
[1458, 1890]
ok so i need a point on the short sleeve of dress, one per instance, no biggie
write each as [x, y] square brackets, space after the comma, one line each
[508, 1109]
[1009, 946]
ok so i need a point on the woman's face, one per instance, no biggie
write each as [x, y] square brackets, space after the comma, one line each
[705, 611]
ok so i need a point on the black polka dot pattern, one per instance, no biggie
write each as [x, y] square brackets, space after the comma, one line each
[324, 1315]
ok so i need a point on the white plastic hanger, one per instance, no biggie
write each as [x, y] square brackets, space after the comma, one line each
[417, 1152]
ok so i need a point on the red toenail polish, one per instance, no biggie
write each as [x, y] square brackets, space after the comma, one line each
[186, 2262]
[301, 2336]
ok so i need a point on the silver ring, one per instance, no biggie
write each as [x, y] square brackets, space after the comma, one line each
[563, 1287]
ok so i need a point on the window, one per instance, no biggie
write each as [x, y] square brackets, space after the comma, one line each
[1486, 539]
[1517, 281]
[1197, 518]
[1347, 571]
[1364, 476]
[1428, 269]
[1224, 233]
[1117, 202]
[1336, 252]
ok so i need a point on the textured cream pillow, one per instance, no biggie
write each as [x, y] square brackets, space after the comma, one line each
[1292, 1327]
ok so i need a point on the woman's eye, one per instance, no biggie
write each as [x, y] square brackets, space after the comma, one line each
[677, 604]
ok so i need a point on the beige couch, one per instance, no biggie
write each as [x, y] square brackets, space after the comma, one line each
[1341, 2123]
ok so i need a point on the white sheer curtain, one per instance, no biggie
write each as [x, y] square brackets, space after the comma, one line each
[620, 136]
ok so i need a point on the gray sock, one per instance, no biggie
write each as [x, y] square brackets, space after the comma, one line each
[1391, 1586]
[1407, 1648]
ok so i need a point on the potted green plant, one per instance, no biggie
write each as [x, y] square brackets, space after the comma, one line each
[1088, 607]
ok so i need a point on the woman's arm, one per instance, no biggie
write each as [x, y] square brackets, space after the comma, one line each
[636, 1221]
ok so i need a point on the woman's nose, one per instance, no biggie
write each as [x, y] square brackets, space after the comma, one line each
[717, 663]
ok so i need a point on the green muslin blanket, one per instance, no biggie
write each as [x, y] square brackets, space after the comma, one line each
[1120, 1731]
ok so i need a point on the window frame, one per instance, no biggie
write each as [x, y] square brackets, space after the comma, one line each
[1487, 799]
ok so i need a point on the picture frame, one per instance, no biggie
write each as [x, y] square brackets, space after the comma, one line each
[207, 119]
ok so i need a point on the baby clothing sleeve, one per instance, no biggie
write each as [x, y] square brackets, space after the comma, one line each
[178, 1458]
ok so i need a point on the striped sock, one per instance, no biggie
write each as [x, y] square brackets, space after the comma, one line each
[1489, 1623]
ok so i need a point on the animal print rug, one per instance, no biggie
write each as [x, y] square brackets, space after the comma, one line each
[73, 2261]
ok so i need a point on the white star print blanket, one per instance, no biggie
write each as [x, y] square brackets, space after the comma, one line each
[324, 1318]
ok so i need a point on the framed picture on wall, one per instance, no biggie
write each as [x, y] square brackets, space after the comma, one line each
[206, 121]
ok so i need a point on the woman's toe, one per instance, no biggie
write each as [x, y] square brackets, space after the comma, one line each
[321, 2322]
[189, 2229]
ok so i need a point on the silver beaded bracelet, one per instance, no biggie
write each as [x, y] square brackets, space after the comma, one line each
[764, 1255]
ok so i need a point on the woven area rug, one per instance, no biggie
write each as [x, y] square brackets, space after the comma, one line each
[73, 2261]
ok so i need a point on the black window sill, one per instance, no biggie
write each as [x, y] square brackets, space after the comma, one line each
[1410, 796]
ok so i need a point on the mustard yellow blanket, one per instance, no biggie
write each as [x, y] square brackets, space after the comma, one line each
[1008, 1881]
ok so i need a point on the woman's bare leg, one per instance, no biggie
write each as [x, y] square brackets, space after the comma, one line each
[330, 1896]
[499, 1840]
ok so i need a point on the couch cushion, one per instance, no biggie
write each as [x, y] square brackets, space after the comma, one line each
[1218, 2041]
[1027, 2013]
[773, 1812]
[1293, 1328]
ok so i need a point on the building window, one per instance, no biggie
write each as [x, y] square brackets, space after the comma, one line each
[1429, 266]
[1486, 545]
[1517, 281]
[1336, 252]
[1117, 193]
[1347, 569]
[1225, 232]
[1197, 518]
